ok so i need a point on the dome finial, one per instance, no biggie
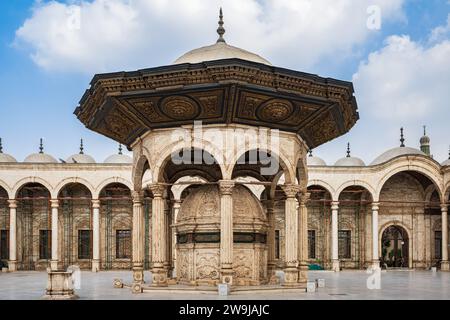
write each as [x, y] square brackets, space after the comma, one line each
[81, 146]
[120, 148]
[1, 146]
[402, 139]
[310, 152]
[41, 146]
[448, 152]
[424, 130]
[220, 29]
[348, 149]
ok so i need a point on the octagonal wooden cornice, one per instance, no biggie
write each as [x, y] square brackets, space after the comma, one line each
[125, 105]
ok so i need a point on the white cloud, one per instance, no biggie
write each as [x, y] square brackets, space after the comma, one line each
[405, 80]
[126, 34]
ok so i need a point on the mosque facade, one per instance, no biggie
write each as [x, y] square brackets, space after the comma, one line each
[234, 201]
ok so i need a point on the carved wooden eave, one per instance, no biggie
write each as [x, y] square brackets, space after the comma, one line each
[125, 105]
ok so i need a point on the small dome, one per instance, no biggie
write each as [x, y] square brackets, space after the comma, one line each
[315, 161]
[80, 158]
[425, 140]
[4, 157]
[219, 51]
[350, 162]
[396, 152]
[119, 158]
[40, 158]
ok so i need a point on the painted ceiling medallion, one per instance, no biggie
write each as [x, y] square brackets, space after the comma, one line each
[275, 110]
[179, 107]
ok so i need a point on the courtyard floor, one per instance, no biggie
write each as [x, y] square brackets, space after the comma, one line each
[343, 285]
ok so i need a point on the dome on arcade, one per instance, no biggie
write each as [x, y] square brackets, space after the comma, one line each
[397, 152]
[349, 161]
[80, 157]
[40, 157]
[119, 157]
[4, 157]
[447, 162]
[314, 161]
[219, 50]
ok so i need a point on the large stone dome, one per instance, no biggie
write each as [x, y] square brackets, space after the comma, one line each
[200, 210]
[396, 152]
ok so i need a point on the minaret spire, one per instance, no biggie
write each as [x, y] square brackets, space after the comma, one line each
[120, 148]
[348, 149]
[81, 146]
[310, 152]
[220, 29]
[1, 146]
[41, 146]
[448, 152]
[402, 139]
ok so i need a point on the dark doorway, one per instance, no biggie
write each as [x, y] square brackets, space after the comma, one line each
[395, 244]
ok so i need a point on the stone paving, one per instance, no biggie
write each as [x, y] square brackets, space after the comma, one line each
[343, 285]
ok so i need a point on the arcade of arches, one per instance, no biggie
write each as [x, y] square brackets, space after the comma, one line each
[95, 228]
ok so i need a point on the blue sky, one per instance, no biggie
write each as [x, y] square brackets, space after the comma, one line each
[401, 72]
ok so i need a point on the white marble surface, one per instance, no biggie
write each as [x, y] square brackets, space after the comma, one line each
[343, 285]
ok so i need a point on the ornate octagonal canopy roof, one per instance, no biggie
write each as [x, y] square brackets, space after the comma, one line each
[234, 89]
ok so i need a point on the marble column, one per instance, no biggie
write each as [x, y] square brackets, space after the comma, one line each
[226, 231]
[444, 217]
[303, 197]
[291, 235]
[168, 242]
[54, 203]
[375, 255]
[271, 242]
[159, 237]
[334, 236]
[12, 263]
[96, 235]
[175, 210]
[138, 240]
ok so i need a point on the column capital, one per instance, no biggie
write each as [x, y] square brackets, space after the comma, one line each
[303, 197]
[334, 205]
[291, 190]
[54, 203]
[12, 203]
[444, 207]
[137, 196]
[95, 203]
[375, 206]
[226, 187]
[157, 189]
